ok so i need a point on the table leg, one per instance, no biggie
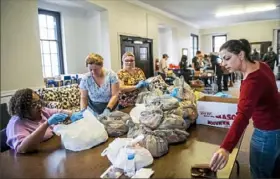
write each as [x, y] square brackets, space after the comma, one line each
[237, 167]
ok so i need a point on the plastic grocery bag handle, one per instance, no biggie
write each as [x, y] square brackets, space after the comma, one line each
[104, 153]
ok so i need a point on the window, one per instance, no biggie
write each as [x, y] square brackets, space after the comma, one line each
[51, 43]
[218, 41]
[193, 45]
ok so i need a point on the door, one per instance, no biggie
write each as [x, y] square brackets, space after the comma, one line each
[141, 48]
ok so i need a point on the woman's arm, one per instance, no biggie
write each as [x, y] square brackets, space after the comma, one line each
[115, 95]
[126, 88]
[84, 99]
[248, 100]
[31, 142]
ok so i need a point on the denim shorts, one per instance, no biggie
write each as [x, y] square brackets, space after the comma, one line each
[264, 149]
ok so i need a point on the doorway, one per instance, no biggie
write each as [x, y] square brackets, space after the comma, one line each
[142, 50]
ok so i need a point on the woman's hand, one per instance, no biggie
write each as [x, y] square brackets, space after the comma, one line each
[219, 159]
[56, 118]
[77, 116]
[142, 84]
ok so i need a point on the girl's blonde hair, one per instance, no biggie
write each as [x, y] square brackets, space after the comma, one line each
[94, 58]
[127, 54]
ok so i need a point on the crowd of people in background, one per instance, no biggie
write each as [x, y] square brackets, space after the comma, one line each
[224, 79]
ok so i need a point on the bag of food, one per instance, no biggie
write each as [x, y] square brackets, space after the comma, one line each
[151, 117]
[173, 136]
[155, 143]
[115, 123]
[172, 121]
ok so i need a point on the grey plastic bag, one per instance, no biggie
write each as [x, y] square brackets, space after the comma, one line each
[165, 102]
[189, 110]
[134, 129]
[115, 123]
[156, 144]
[172, 121]
[173, 136]
[151, 118]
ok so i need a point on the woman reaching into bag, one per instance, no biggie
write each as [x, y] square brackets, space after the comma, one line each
[99, 88]
[31, 123]
[259, 99]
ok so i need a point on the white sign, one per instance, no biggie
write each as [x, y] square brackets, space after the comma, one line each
[218, 114]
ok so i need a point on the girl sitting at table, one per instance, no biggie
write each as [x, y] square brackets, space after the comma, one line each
[131, 79]
[31, 123]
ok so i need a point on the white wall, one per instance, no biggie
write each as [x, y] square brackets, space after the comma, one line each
[252, 31]
[20, 48]
[165, 42]
[125, 18]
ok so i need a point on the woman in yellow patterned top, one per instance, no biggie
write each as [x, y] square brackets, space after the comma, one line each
[131, 80]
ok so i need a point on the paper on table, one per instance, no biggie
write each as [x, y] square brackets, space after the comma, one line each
[143, 173]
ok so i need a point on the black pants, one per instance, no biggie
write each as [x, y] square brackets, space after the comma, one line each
[162, 75]
[232, 77]
[225, 80]
[219, 82]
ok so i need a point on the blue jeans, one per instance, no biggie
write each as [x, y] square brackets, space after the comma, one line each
[264, 149]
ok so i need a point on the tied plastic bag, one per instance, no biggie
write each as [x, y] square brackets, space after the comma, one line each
[115, 123]
[151, 117]
[82, 134]
[116, 153]
[172, 121]
[173, 136]
[156, 143]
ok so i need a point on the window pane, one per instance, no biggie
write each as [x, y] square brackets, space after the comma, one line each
[53, 46]
[51, 34]
[129, 49]
[48, 71]
[218, 42]
[50, 21]
[54, 58]
[46, 47]
[143, 53]
[47, 60]
[42, 20]
[55, 70]
[43, 33]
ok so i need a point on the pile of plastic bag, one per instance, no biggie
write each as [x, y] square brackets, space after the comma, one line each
[162, 118]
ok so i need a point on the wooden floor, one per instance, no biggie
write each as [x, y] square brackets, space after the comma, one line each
[243, 156]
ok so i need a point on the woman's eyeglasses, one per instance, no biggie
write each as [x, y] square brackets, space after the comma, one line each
[127, 61]
[37, 104]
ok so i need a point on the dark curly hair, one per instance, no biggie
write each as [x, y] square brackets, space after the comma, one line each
[20, 103]
[236, 46]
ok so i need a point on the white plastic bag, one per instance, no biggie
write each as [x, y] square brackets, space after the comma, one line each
[82, 134]
[116, 153]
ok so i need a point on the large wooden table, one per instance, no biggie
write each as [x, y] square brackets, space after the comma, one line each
[53, 161]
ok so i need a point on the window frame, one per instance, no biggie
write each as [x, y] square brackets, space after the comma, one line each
[57, 16]
[194, 50]
[213, 40]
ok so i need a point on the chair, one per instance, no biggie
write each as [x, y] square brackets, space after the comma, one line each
[5, 117]
[276, 171]
[4, 145]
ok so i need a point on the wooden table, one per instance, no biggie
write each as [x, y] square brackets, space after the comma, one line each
[53, 161]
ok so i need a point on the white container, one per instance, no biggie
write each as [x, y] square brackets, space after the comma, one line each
[129, 169]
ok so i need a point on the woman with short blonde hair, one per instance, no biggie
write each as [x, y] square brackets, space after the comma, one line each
[99, 87]
[131, 80]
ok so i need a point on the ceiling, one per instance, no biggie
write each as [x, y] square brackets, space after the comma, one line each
[202, 12]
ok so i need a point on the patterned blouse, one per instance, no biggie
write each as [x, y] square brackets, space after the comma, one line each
[129, 98]
[102, 93]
